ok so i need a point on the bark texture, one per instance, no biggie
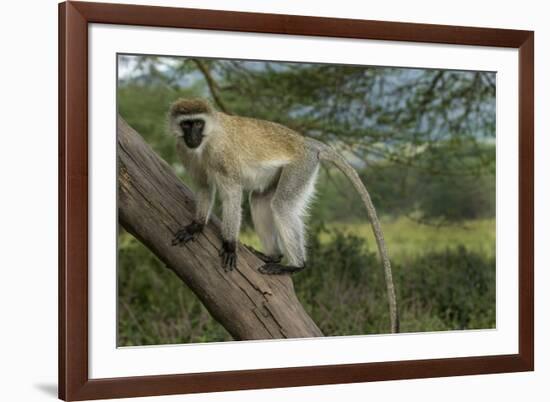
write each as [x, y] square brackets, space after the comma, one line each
[153, 204]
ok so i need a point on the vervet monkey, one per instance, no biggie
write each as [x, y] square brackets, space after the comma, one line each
[277, 166]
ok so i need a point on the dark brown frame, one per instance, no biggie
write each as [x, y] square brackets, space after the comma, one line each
[74, 18]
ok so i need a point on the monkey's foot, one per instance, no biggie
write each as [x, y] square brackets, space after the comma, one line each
[229, 255]
[279, 269]
[264, 257]
[188, 233]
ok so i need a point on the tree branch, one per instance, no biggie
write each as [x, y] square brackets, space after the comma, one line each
[212, 85]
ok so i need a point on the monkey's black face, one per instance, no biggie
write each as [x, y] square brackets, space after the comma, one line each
[192, 132]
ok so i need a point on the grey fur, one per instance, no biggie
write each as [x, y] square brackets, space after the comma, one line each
[289, 205]
[231, 194]
[264, 222]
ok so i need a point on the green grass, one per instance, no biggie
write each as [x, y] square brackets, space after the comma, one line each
[445, 280]
[407, 238]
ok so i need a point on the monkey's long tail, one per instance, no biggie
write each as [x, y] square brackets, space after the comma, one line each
[328, 154]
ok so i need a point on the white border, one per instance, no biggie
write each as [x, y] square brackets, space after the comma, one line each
[105, 360]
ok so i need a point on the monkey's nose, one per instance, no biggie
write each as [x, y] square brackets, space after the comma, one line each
[193, 140]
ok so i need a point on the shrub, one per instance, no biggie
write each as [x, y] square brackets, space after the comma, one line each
[343, 290]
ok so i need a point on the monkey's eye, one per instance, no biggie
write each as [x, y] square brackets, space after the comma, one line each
[199, 123]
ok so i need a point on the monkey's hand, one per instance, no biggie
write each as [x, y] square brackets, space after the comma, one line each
[188, 233]
[229, 255]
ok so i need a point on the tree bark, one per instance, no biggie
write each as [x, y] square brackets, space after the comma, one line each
[153, 204]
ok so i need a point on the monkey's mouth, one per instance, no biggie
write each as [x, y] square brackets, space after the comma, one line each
[193, 140]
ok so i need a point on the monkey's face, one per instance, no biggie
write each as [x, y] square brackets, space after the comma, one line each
[193, 132]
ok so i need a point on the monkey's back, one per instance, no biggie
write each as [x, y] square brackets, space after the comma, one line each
[252, 151]
[261, 140]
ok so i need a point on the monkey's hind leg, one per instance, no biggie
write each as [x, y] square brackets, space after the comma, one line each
[264, 225]
[292, 196]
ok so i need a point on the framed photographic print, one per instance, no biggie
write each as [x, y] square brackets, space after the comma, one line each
[258, 200]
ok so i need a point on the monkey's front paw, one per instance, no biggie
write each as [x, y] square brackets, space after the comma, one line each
[188, 233]
[229, 255]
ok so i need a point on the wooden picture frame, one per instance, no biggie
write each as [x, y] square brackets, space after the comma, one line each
[74, 381]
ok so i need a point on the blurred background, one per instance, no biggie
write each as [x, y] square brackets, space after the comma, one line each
[423, 142]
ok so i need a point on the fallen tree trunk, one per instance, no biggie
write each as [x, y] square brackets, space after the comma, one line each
[153, 204]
